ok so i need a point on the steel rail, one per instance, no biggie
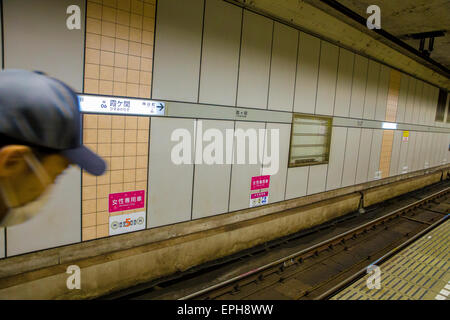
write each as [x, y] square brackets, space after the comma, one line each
[325, 243]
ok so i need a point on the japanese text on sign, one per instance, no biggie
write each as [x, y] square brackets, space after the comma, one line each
[126, 201]
[260, 182]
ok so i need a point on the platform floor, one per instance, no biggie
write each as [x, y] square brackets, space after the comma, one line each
[419, 272]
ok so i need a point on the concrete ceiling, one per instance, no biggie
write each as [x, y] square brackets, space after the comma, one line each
[412, 16]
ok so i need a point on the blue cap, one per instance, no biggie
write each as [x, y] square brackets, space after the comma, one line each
[44, 112]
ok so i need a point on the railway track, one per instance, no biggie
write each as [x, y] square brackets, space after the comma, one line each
[319, 270]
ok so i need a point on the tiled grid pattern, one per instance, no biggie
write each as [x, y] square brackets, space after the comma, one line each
[123, 142]
[391, 114]
[119, 47]
[119, 53]
[419, 272]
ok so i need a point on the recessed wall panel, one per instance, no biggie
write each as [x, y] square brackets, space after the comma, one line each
[170, 183]
[241, 174]
[212, 173]
[375, 151]
[36, 38]
[274, 155]
[370, 100]
[283, 67]
[58, 223]
[220, 53]
[297, 182]
[254, 67]
[337, 155]
[358, 87]
[423, 107]
[177, 50]
[326, 87]
[365, 145]
[344, 83]
[307, 73]
[351, 157]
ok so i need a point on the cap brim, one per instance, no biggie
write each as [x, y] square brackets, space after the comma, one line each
[86, 159]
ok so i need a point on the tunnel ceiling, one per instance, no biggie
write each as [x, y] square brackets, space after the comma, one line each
[401, 18]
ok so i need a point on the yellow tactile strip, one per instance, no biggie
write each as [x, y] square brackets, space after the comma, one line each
[419, 272]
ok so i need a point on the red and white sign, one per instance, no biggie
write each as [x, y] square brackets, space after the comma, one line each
[260, 182]
[126, 201]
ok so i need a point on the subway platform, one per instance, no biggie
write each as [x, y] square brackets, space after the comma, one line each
[418, 272]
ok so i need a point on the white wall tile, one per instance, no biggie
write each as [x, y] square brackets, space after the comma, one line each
[169, 184]
[370, 101]
[220, 53]
[178, 44]
[58, 223]
[211, 181]
[365, 145]
[283, 68]
[326, 87]
[383, 87]
[317, 178]
[297, 182]
[351, 157]
[242, 174]
[278, 180]
[410, 100]
[403, 94]
[337, 155]
[395, 155]
[344, 83]
[36, 38]
[417, 102]
[307, 73]
[358, 87]
[254, 69]
[375, 150]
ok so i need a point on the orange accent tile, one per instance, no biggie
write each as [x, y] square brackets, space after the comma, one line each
[93, 10]
[89, 233]
[102, 231]
[137, 7]
[93, 40]
[136, 21]
[93, 26]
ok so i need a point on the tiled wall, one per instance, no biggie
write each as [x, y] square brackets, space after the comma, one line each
[123, 142]
[119, 47]
[119, 51]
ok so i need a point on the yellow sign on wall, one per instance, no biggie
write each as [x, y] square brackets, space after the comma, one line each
[405, 136]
